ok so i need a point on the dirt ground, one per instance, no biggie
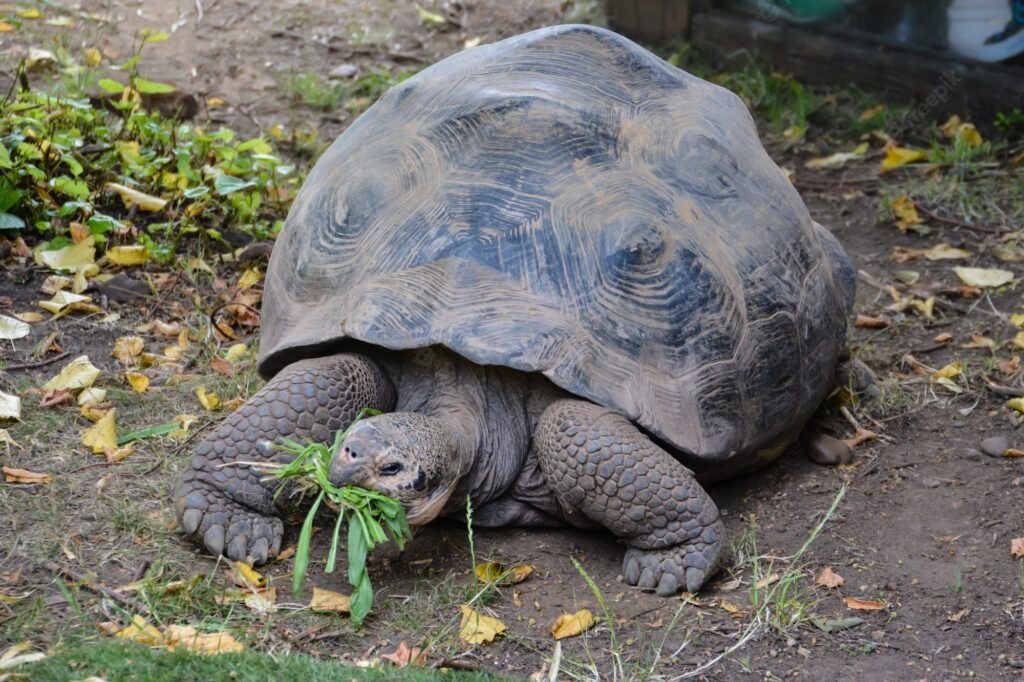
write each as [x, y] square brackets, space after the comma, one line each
[924, 526]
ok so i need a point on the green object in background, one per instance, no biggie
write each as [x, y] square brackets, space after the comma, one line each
[802, 10]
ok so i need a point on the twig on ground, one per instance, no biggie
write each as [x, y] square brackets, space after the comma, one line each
[36, 365]
[953, 222]
[74, 575]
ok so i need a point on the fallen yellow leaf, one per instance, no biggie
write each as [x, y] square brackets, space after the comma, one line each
[946, 252]
[984, 277]
[127, 350]
[117, 454]
[128, 255]
[1016, 404]
[730, 606]
[66, 301]
[478, 629]
[495, 572]
[906, 212]
[1018, 340]
[93, 57]
[968, 135]
[5, 26]
[863, 604]
[235, 352]
[979, 341]
[249, 279]
[210, 401]
[839, 159]
[953, 369]
[244, 575]
[12, 328]
[13, 475]
[79, 373]
[102, 435]
[71, 258]
[138, 381]
[1016, 319]
[572, 624]
[142, 632]
[188, 638]
[133, 197]
[326, 601]
[900, 156]
[29, 317]
[10, 406]
[30, 13]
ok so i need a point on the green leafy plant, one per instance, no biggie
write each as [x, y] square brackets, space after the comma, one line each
[371, 517]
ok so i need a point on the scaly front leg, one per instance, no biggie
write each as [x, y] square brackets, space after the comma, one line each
[227, 508]
[602, 466]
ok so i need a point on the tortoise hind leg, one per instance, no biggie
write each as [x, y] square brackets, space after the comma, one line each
[599, 464]
[226, 507]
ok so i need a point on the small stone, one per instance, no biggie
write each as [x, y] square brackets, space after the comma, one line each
[1019, 481]
[972, 454]
[343, 71]
[995, 446]
[929, 482]
[878, 635]
[826, 450]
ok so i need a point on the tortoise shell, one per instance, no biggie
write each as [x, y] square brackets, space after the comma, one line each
[565, 202]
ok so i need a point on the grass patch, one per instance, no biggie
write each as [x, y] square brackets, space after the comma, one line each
[115, 661]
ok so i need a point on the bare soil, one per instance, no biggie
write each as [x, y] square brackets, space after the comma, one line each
[925, 525]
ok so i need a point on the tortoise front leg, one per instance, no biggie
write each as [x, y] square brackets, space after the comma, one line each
[602, 466]
[226, 507]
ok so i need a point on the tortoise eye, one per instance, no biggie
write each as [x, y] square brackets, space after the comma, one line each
[391, 469]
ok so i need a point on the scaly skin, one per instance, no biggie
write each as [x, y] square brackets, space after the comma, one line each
[227, 508]
[601, 465]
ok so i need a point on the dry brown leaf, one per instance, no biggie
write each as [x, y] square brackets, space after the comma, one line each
[55, 396]
[222, 366]
[161, 328]
[572, 624]
[829, 578]
[1013, 453]
[1009, 367]
[958, 616]
[730, 607]
[979, 341]
[867, 322]
[863, 604]
[1017, 548]
[286, 553]
[766, 581]
[13, 475]
[326, 601]
[405, 655]
[127, 350]
[478, 629]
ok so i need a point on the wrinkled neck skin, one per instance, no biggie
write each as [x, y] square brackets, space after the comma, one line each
[485, 408]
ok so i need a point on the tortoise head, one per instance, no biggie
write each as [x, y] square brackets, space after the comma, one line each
[411, 457]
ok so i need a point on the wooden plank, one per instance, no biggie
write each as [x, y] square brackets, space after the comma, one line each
[941, 83]
[651, 20]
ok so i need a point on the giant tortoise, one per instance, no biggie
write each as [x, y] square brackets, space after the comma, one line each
[575, 284]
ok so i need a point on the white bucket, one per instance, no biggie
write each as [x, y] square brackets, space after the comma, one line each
[972, 22]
